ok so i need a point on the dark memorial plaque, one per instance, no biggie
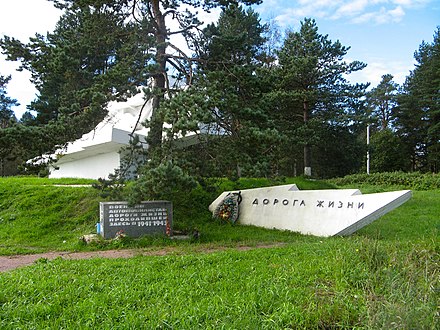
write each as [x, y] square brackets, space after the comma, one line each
[146, 218]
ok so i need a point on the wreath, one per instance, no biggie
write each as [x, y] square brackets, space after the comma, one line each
[227, 210]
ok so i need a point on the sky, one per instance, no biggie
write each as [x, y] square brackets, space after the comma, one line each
[384, 34]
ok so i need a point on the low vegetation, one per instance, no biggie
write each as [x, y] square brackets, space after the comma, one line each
[386, 276]
[39, 215]
[416, 181]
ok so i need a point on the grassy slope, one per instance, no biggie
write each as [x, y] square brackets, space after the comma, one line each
[36, 215]
[384, 276]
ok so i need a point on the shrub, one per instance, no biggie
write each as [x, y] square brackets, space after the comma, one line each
[414, 180]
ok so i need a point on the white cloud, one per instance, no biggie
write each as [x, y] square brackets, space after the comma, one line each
[358, 11]
[403, 2]
[19, 86]
[292, 14]
[378, 67]
[411, 3]
[351, 8]
[382, 16]
[21, 19]
[397, 13]
[269, 6]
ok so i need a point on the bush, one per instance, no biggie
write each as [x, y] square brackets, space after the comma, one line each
[414, 180]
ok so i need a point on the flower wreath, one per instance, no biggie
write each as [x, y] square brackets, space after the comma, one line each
[227, 210]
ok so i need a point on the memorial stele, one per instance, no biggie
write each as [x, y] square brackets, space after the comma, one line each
[324, 213]
[145, 218]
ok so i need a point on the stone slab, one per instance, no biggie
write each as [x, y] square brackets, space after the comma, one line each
[314, 212]
[146, 218]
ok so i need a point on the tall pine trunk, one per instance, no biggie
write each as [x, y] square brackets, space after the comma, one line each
[307, 151]
[159, 81]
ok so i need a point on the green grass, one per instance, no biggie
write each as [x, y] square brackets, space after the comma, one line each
[333, 283]
[386, 276]
[418, 220]
[36, 215]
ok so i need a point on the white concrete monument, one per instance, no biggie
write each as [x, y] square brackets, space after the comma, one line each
[312, 212]
[97, 153]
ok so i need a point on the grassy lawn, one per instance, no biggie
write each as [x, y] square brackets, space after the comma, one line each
[37, 215]
[386, 276]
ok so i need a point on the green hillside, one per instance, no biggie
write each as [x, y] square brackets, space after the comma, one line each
[38, 215]
[386, 276]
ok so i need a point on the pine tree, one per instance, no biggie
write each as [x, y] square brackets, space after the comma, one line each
[225, 101]
[7, 120]
[92, 57]
[101, 50]
[382, 100]
[7, 116]
[418, 119]
[312, 84]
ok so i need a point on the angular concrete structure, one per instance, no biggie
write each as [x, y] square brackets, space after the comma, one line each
[98, 153]
[314, 212]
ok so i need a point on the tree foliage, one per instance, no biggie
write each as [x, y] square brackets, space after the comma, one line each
[225, 105]
[92, 57]
[8, 152]
[7, 116]
[312, 89]
[382, 101]
[242, 101]
[419, 108]
[388, 152]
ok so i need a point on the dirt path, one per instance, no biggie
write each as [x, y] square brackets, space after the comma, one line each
[16, 261]
[12, 262]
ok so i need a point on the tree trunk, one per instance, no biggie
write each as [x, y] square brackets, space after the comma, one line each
[307, 151]
[159, 83]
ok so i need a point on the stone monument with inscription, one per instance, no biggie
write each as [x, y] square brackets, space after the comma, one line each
[146, 218]
[312, 212]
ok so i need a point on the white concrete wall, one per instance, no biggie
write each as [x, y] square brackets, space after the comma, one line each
[93, 167]
[313, 212]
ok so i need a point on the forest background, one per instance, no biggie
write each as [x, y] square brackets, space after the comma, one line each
[262, 102]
